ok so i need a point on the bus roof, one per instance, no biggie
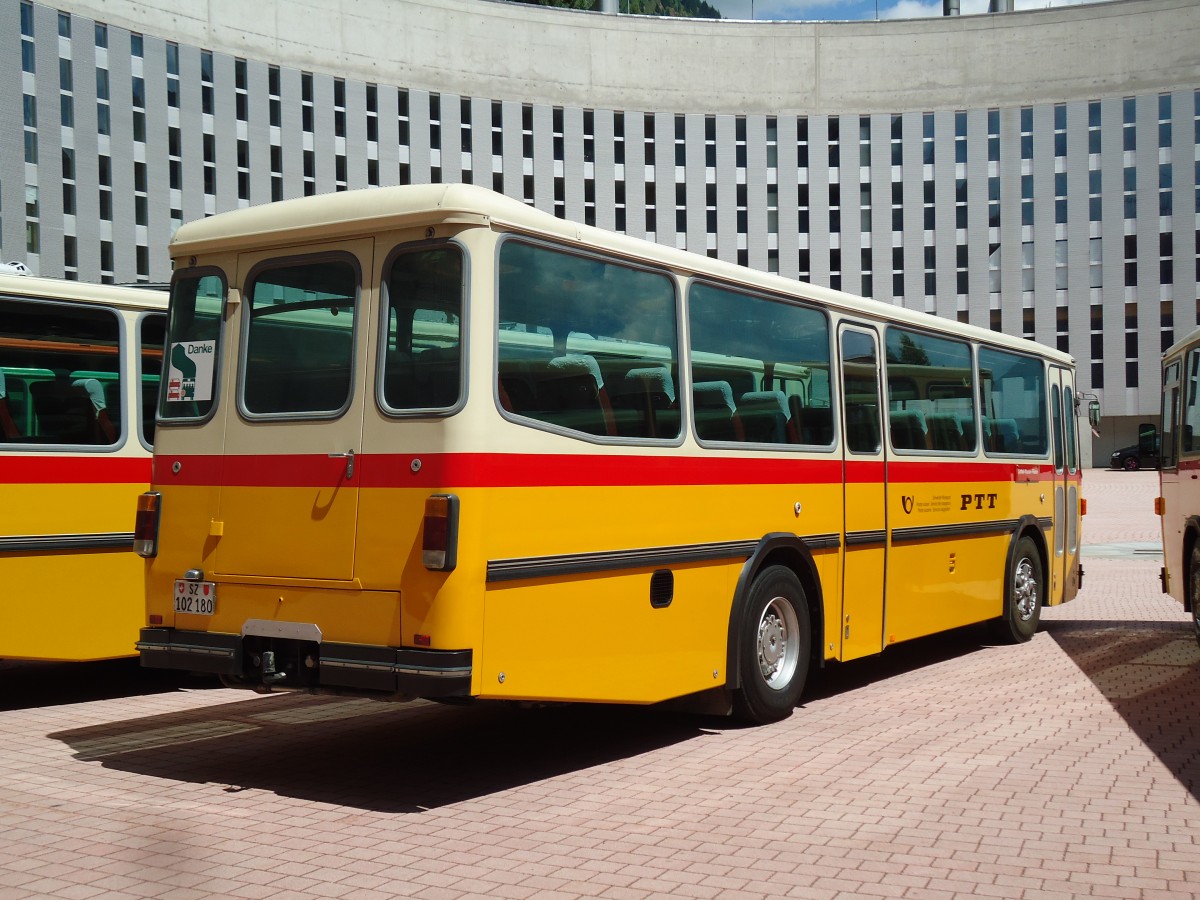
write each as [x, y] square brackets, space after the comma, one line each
[1183, 342]
[38, 288]
[354, 213]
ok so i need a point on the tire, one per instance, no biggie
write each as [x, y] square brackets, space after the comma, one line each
[775, 647]
[1131, 464]
[1194, 589]
[1023, 595]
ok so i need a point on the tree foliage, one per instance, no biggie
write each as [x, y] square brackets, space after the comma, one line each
[683, 8]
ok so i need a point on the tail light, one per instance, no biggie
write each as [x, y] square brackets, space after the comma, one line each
[439, 538]
[1160, 506]
[145, 526]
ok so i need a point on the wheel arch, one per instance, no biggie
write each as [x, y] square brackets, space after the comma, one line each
[1191, 534]
[1030, 527]
[782, 549]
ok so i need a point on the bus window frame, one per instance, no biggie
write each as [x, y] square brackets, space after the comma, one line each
[974, 389]
[383, 310]
[1043, 363]
[1168, 459]
[140, 351]
[1186, 385]
[121, 348]
[832, 349]
[247, 316]
[196, 272]
[561, 430]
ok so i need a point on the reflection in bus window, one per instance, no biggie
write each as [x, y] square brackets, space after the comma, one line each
[931, 402]
[300, 340]
[192, 347]
[1014, 403]
[760, 369]
[587, 344]
[422, 366]
[61, 376]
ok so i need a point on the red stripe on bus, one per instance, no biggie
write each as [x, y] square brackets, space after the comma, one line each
[75, 470]
[481, 470]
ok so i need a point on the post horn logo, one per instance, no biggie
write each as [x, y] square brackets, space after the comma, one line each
[907, 502]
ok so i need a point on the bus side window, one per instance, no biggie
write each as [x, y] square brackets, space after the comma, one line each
[571, 332]
[62, 368]
[1013, 399]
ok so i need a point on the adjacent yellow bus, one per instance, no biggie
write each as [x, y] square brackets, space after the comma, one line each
[429, 442]
[1178, 503]
[79, 367]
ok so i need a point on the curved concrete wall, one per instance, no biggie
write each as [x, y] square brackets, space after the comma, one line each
[510, 51]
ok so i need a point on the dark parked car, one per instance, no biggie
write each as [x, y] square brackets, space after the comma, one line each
[1142, 455]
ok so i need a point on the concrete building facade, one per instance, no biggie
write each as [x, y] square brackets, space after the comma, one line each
[1034, 172]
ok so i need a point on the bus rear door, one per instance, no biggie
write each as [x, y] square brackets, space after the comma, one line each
[289, 496]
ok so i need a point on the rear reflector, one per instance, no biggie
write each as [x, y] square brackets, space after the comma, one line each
[439, 538]
[145, 526]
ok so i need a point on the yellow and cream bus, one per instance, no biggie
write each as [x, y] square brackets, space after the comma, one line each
[429, 442]
[79, 367]
[1178, 503]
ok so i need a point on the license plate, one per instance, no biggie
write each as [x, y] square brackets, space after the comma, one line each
[196, 597]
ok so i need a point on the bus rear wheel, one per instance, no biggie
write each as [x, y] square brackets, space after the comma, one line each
[1022, 595]
[1194, 589]
[775, 638]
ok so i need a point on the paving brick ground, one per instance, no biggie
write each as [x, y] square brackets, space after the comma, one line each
[1068, 766]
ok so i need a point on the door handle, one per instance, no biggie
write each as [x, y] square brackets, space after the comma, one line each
[349, 457]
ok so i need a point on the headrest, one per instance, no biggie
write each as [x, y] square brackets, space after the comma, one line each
[576, 364]
[654, 379]
[768, 399]
[713, 393]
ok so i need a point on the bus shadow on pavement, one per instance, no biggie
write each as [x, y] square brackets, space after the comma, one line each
[30, 684]
[1150, 673]
[373, 755]
[842, 677]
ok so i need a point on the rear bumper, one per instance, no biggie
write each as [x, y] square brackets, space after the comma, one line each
[287, 663]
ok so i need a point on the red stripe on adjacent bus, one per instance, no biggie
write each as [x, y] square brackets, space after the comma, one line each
[481, 470]
[75, 470]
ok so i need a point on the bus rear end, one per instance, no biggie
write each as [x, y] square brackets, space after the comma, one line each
[299, 524]
[1178, 503]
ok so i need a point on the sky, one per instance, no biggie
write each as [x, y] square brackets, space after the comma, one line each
[810, 10]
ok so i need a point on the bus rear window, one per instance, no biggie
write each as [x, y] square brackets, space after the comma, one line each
[60, 374]
[192, 347]
[422, 367]
[299, 352]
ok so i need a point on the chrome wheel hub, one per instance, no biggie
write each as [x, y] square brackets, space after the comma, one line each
[1025, 590]
[778, 643]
